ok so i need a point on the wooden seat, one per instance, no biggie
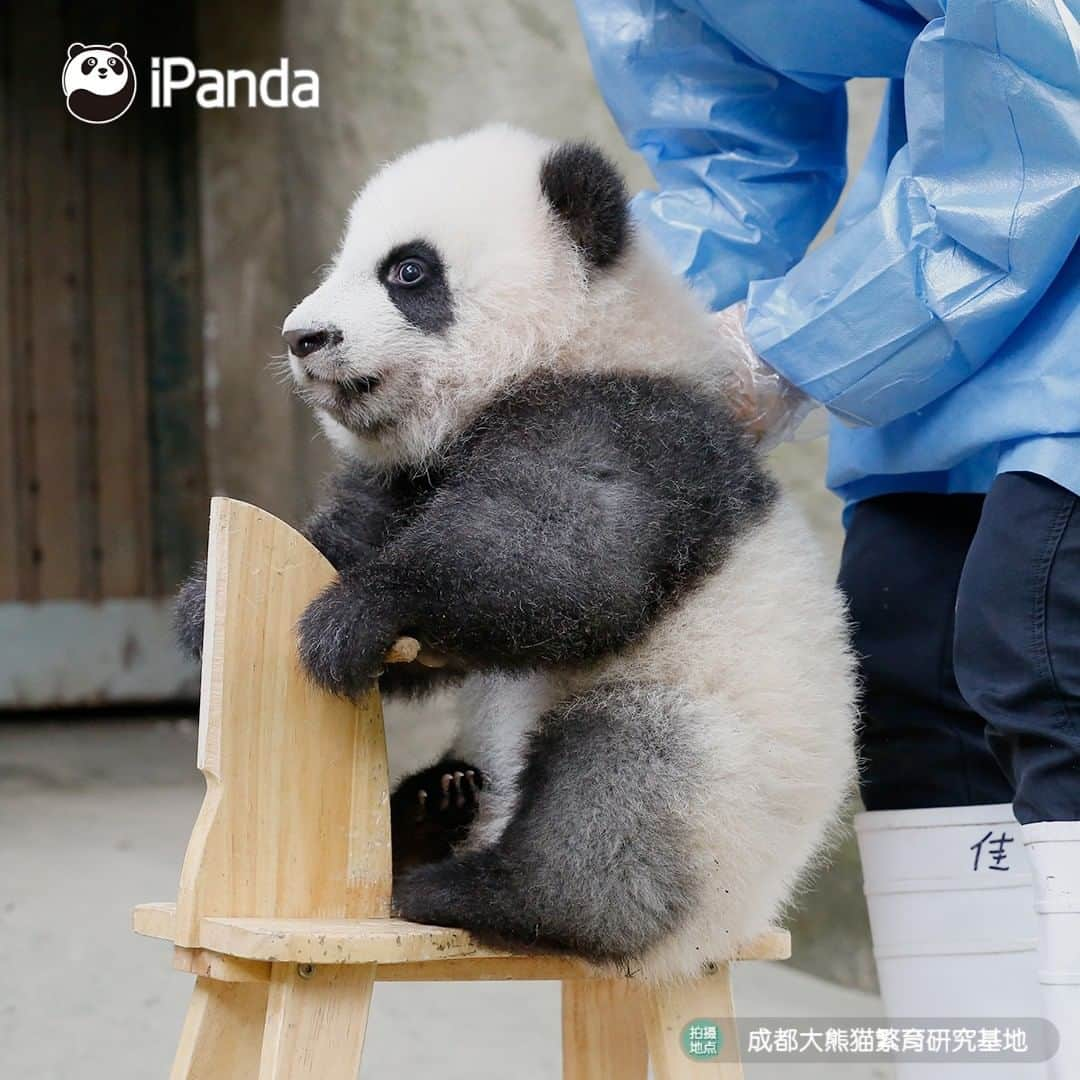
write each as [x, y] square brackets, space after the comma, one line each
[283, 910]
[388, 942]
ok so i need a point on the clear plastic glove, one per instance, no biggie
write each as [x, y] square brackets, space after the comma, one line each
[771, 408]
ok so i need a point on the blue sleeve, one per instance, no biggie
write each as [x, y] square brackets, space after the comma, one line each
[978, 213]
[749, 162]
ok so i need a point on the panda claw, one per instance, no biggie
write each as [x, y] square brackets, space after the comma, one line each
[431, 811]
[444, 797]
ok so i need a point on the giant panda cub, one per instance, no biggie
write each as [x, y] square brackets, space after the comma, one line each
[542, 482]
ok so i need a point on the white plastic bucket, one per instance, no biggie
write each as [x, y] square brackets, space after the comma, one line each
[952, 915]
[1054, 850]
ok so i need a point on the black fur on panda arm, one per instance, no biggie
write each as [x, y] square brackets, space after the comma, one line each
[347, 528]
[352, 521]
[559, 527]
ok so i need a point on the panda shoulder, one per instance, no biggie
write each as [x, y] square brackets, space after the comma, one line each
[648, 415]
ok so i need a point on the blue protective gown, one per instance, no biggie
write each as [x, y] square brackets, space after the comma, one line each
[942, 317]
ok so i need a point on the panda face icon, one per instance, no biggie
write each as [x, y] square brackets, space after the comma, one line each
[98, 82]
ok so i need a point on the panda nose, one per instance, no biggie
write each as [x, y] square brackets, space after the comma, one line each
[305, 342]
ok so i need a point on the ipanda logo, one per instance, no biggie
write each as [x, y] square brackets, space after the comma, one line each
[99, 84]
[276, 88]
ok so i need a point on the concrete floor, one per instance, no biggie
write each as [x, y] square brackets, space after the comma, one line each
[94, 817]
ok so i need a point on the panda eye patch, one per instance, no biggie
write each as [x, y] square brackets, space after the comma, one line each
[88, 65]
[114, 63]
[409, 272]
[415, 279]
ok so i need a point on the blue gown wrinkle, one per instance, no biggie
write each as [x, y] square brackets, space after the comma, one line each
[924, 319]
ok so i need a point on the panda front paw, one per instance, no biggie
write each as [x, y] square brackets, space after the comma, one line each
[189, 611]
[343, 639]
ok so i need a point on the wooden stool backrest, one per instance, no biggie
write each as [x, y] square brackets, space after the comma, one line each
[296, 818]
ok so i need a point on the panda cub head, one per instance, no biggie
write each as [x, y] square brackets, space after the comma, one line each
[466, 264]
[98, 82]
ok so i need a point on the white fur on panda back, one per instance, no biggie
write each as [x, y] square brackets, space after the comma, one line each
[760, 650]
[763, 649]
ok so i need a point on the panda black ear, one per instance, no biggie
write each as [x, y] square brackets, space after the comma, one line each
[75, 48]
[588, 194]
[119, 49]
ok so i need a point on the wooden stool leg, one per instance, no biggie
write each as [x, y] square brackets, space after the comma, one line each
[602, 1034]
[223, 1032]
[668, 1009]
[315, 1025]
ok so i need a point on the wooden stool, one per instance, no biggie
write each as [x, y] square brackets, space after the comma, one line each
[283, 911]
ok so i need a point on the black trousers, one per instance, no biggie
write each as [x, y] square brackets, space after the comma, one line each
[967, 620]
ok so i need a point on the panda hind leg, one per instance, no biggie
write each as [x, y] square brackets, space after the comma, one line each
[580, 867]
[431, 811]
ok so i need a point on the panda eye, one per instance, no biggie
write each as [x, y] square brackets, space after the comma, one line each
[408, 272]
[114, 63]
[88, 65]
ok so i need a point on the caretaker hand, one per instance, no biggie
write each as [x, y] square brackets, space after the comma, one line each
[770, 407]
